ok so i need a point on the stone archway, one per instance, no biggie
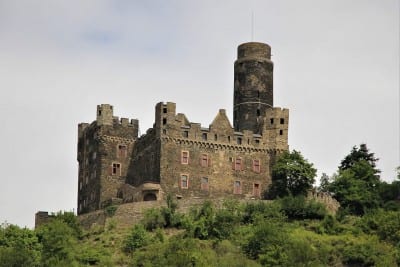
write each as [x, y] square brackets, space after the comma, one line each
[149, 197]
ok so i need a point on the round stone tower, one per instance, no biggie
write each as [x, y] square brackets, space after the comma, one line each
[253, 88]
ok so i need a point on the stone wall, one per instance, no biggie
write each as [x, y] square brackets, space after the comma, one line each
[104, 153]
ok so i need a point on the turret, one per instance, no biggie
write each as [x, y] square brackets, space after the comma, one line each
[104, 114]
[253, 87]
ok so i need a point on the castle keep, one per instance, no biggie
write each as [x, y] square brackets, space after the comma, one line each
[182, 158]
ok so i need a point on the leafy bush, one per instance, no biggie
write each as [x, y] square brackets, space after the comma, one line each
[110, 210]
[153, 219]
[59, 243]
[263, 210]
[18, 246]
[300, 208]
[137, 238]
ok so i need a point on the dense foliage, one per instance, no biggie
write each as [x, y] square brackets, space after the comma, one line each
[289, 231]
[357, 184]
[292, 174]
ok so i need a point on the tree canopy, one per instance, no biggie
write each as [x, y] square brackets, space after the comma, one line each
[292, 174]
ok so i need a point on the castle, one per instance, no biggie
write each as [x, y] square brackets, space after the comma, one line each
[182, 158]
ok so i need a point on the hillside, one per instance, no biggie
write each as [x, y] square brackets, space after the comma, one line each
[288, 232]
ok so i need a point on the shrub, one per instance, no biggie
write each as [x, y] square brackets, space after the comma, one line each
[110, 210]
[153, 219]
[263, 210]
[301, 208]
[137, 238]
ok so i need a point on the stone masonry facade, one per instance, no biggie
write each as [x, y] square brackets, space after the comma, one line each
[182, 158]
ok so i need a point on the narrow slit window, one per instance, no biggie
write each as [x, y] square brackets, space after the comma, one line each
[215, 137]
[256, 190]
[258, 112]
[280, 132]
[164, 121]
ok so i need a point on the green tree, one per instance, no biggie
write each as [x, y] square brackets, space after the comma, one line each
[59, 243]
[19, 247]
[357, 154]
[292, 174]
[356, 188]
[324, 183]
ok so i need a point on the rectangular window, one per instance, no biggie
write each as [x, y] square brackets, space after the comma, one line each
[282, 121]
[116, 169]
[204, 161]
[280, 132]
[185, 157]
[185, 134]
[256, 190]
[239, 140]
[165, 110]
[204, 183]
[256, 165]
[184, 181]
[237, 187]
[238, 164]
[272, 120]
[122, 151]
[204, 136]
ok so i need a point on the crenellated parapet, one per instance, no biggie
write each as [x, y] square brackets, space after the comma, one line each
[274, 134]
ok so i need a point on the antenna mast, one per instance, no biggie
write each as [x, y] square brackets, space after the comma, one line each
[252, 25]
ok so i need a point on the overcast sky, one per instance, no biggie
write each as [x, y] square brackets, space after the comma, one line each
[336, 67]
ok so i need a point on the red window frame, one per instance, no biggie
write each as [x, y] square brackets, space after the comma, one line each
[237, 187]
[256, 165]
[204, 160]
[204, 183]
[185, 157]
[256, 189]
[122, 151]
[237, 164]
